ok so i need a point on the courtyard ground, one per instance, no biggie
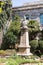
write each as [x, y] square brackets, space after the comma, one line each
[9, 57]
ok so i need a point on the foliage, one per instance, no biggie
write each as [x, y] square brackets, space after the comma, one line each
[7, 52]
[5, 12]
[33, 25]
[12, 35]
[16, 17]
[34, 44]
[2, 20]
[18, 60]
[0, 10]
[42, 35]
[37, 47]
[3, 60]
[41, 44]
[15, 27]
[2, 52]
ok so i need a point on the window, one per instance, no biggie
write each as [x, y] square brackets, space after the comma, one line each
[27, 17]
[41, 18]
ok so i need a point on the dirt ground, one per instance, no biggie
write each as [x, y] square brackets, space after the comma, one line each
[2, 63]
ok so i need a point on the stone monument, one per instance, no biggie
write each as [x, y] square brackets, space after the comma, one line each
[24, 47]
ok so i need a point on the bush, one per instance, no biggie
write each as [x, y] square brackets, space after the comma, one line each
[34, 44]
[41, 43]
[2, 52]
[12, 35]
[17, 60]
[3, 60]
[34, 25]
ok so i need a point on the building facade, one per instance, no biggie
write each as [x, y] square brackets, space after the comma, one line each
[32, 11]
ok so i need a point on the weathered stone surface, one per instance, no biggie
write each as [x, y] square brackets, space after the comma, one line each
[24, 47]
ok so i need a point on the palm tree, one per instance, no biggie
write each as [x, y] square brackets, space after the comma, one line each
[33, 28]
[33, 25]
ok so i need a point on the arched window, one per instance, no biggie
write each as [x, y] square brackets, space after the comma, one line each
[27, 17]
[41, 18]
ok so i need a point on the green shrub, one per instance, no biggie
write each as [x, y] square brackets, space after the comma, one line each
[11, 61]
[2, 52]
[18, 60]
[34, 44]
[41, 43]
[3, 60]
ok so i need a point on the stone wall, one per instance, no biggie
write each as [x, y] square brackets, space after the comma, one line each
[33, 11]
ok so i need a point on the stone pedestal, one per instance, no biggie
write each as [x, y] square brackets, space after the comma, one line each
[24, 47]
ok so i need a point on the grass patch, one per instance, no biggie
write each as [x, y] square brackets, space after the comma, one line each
[16, 60]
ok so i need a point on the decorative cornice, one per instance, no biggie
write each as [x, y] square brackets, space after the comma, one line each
[33, 3]
[30, 6]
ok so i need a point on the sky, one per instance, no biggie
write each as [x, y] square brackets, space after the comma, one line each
[16, 3]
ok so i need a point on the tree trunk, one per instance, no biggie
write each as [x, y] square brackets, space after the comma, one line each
[1, 37]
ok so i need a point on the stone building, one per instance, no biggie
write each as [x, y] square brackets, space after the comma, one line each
[32, 11]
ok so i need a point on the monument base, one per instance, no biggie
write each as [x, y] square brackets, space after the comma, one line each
[25, 54]
[24, 51]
